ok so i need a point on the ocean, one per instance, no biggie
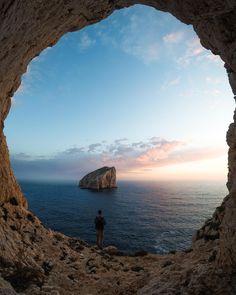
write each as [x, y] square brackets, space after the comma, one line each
[154, 216]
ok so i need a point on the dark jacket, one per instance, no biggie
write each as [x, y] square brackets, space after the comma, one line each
[99, 222]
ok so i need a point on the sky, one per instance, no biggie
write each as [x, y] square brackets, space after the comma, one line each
[136, 91]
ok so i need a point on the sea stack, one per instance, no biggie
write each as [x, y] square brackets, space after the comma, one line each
[103, 178]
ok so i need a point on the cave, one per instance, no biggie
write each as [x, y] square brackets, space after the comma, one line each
[27, 28]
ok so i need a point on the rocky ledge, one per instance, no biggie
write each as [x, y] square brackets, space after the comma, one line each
[37, 260]
[103, 178]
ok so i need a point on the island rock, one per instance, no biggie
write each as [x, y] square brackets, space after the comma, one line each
[103, 178]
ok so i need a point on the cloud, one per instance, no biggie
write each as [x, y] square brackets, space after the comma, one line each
[22, 156]
[92, 147]
[86, 41]
[213, 80]
[194, 49]
[135, 36]
[171, 83]
[140, 144]
[128, 157]
[174, 37]
[214, 58]
[25, 82]
[144, 39]
[118, 141]
[138, 40]
[157, 140]
[212, 92]
[174, 82]
[32, 74]
[148, 52]
[160, 151]
[73, 151]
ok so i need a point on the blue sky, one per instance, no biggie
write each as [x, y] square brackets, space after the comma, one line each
[136, 90]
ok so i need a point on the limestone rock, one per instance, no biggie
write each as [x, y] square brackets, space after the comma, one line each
[111, 250]
[102, 178]
[26, 29]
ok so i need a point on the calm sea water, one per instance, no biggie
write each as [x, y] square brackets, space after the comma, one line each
[157, 217]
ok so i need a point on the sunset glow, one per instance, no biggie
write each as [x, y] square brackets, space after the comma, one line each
[146, 98]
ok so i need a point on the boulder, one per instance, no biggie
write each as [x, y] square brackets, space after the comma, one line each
[111, 250]
[103, 178]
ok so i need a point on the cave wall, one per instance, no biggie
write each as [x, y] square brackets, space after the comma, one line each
[28, 27]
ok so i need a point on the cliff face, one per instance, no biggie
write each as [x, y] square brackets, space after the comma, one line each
[28, 27]
[102, 178]
[8, 185]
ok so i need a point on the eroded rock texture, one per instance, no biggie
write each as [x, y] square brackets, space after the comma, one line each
[28, 27]
[102, 178]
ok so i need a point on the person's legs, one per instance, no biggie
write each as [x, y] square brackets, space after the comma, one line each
[97, 234]
[100, 238]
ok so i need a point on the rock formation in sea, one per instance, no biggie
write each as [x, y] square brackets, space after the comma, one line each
[102, 178]
[37, 260]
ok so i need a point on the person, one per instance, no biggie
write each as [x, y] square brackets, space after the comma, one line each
[99, 226]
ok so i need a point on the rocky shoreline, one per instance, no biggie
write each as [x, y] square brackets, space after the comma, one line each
[36, 260]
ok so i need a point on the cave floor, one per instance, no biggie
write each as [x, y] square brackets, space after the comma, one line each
[37, 260]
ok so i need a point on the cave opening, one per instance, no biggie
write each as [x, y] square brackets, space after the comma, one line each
[37, 260]
[174, 92]
[135, 40]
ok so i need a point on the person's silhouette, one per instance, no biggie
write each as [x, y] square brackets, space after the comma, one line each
[99, 226]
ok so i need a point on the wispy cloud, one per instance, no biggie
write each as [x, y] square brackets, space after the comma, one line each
[86, 41]
[74, 162]
[213, 80]
[213, 58]
[148, 52]
[139, 40]
[174, 37]
[93, 147]
[145, 41]
[73, 151]
[196, 52]
[24, 85]
[22, 156]
[193, 50]
[118, 141]
[31, 75]
[135, 37]
[171, 83]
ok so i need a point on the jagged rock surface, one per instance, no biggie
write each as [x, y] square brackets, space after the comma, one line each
[36, 260]
[102, 178]
[28, 27]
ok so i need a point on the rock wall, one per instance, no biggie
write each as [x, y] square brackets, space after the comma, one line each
[8, 185]
[28, 27]
[227, 251]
